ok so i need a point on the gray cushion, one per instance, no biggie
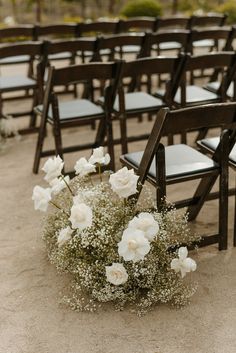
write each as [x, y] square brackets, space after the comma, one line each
[195, 94]
[213, 142]
[181, 160]
[204, 43]
[137, 101]
[170, 46]
[15, 59]
[77, 108]
[214, 86]
[16, 82]
[60, 56]
[129, 49]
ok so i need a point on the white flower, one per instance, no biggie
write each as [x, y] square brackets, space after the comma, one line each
[124, 182]
[116, 274]
[53, 168]
[99, 157]
[83, 167]
[133, 245]
[59, 184]
[146, 223]
[41, 198]
[64, 236]
[183, 264]
[81, 216]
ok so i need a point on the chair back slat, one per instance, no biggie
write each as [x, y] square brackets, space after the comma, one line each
[174, 35]
[24, 48]
[72, 45]
[56, 30]
[210, 60]
[172, 22]
[25, 32]
[96, 28]
[83, 72]
[136, 24]
[208, 20]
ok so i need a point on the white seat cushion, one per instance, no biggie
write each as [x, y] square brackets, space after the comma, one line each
[212, 144]
[169, 46]
[214, 86]
[75, 109]
[16, 82]
[128, 49]
[15, 59]
[181, 160]
[195, 94]
[60, 56]
[204, 43]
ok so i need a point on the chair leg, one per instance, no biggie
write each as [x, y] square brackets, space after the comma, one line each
[110, 143]
[123, 133]
[39, 146]
[235, 217]
[201, 193]
[223, 209]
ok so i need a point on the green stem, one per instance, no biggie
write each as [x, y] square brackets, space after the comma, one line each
[59, 208]
[68, 186]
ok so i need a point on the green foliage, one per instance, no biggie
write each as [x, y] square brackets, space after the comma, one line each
[229, 7]
[191, 6]
[135, 8]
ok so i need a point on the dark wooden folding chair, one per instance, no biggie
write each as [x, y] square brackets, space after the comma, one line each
[113, 45]
[188, 94]
[162, 166]
[206, 21]
[136, 25]
[93, 29]
[78, 111]
[22, 82]
[209, 146]
[135, 101]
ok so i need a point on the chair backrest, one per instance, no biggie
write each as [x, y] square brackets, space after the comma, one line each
[177, 121]
[215, 34]
[232, 35]
[85, 73]
[181, 22]
[55, 31]
[19, 33]
[96, 27]
[155, 66]
[118, 41]
[174, 35]
[31, 48]
[208, 20]
[71, 45]
[137, 24]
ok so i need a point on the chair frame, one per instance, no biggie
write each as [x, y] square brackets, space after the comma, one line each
[175, 122]
[71, 75]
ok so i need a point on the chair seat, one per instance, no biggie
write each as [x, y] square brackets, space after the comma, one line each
[214, 86]
[60, 56]
[195, 94]
[75, 109]
[169, 46]
[181, 160]
[14, 83]
[204, 43]
[212, 144]
[128, 49]
[15, 59]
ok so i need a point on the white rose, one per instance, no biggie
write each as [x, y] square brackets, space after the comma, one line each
[183, 264]
[59, 184]
[83, 167]
[99, 157]
[81, 216]
[133, 245]
[64, 236]
[53, 168]
[146, 223]
[41, 198]
[116, 274]
[124, 182]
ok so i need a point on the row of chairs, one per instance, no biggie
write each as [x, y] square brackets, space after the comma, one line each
[37, 32]
[119, 103]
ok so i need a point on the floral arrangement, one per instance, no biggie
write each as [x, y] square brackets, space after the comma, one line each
[116, 247]
[7, 128]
